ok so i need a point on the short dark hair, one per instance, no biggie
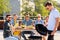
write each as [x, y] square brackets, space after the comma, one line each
[7, 15]
[14, 14]
[48, 3]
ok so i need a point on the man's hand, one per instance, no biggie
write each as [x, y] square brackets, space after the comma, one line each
[56, 26]
[52, 33]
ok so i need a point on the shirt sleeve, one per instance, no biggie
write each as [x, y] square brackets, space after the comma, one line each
[12, 22]
[42, 21]
[31, 21]
[56, 14]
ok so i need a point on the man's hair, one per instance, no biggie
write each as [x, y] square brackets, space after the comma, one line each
[48, 3]
[27, 15]
[14, 14]
[39, 15]
[7, 15]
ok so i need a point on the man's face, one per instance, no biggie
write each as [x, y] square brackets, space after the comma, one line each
[48, 8]
[39, 17]
[9, 18]
[27, 18]
[15, 17]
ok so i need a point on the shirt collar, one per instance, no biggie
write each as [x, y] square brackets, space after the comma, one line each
[53, 9]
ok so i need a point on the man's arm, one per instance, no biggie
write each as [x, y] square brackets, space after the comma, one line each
[56, 25]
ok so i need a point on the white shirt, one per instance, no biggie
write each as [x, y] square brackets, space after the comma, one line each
[52, 19]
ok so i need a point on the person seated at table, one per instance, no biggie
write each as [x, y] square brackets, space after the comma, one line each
[39, 20]
[14, 19]
[46, 21]
[27, 21]
[7, 26]
[14, 23]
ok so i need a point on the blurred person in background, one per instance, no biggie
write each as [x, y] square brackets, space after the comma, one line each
[53, 21]
[46, 21]
[14, 20]
[14, 23]
[39, 20]
[27, 21]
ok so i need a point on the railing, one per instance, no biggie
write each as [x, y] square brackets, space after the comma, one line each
[2, 21]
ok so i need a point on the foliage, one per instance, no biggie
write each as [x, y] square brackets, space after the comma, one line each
[39, 7]
[26, 9]
[4, 6]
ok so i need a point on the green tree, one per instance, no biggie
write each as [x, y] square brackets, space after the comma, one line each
[57, 5]
[39, 7]
[26, 9]
[4, 6]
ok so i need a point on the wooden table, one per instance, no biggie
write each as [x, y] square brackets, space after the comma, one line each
[19, 30]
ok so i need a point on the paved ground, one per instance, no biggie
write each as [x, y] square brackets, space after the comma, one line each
[57, 35]
[1, 35]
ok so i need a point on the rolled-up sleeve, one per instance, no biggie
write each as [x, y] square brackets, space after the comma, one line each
[56, 14]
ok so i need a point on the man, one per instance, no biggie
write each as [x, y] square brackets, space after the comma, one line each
[53, 21]
[14, 23]
[27, 21]
[39, 20]
[14, 20]
[7, 26]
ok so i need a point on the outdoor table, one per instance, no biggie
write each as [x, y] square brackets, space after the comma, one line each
[19, 29]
